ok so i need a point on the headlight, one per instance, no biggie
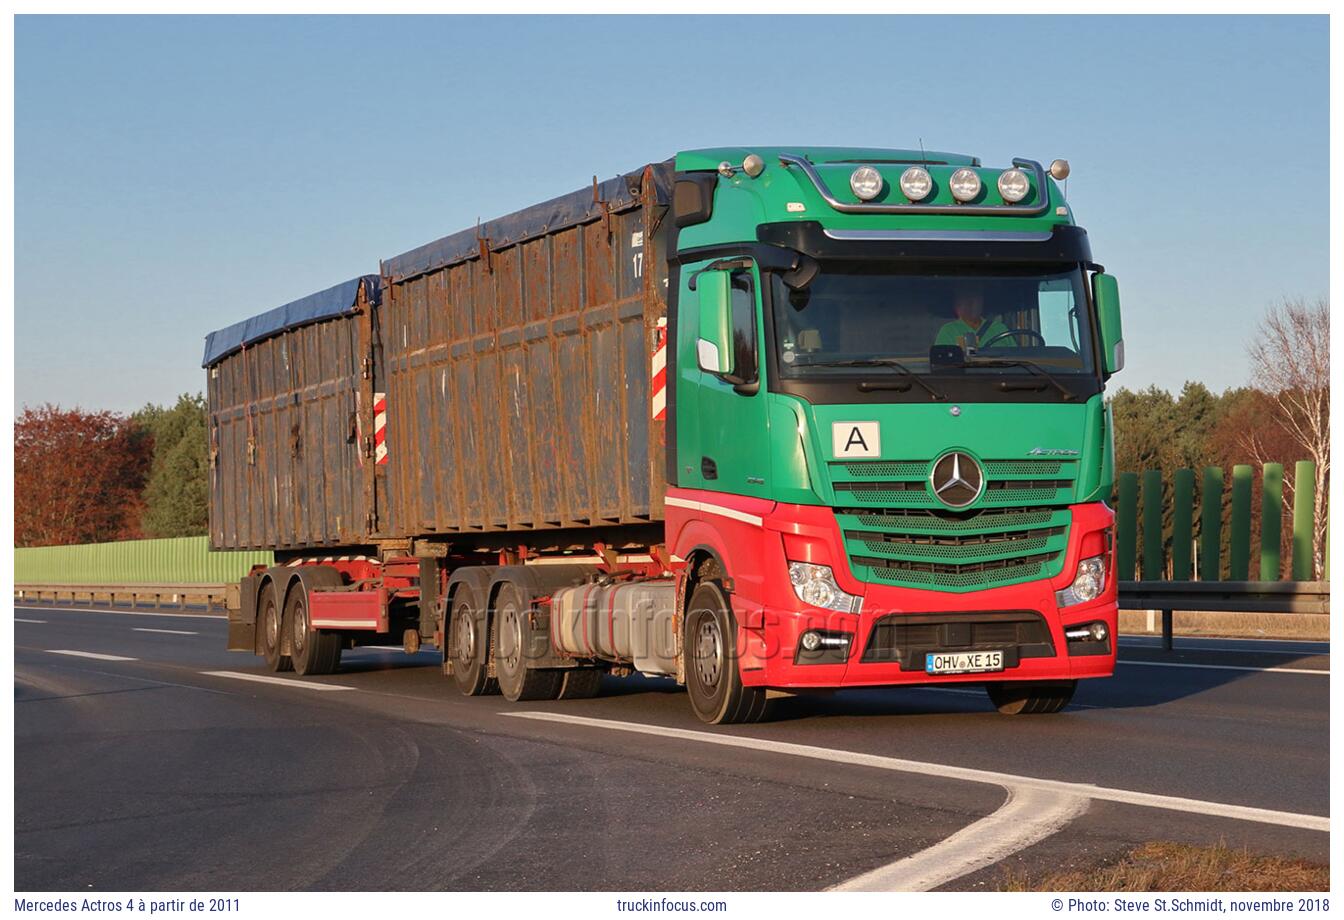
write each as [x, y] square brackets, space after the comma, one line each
[1013, 185]
[1087, 584]
[866, 183]
[815, 585]
[916, 183]
[965, 184]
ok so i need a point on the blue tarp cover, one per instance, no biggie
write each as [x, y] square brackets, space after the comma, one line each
[334, 301]
[620, 194]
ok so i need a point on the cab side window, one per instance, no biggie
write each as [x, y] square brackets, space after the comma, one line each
[745, 364]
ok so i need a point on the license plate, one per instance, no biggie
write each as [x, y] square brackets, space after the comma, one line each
[962, 662]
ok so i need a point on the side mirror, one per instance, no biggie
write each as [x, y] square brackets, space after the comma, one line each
[715, 346]
[1106, 295]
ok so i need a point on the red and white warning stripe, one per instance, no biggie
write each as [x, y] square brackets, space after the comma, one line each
[309, 560]
[658, 373]
[379, 427]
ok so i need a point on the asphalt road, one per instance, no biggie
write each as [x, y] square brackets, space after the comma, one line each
[140, 769]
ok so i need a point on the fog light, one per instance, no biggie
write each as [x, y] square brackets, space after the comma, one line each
[1088, 583]
[815, 585]
[1088, 632]
[916, 183]
[965, 184]
[811, 640]
[866, 183]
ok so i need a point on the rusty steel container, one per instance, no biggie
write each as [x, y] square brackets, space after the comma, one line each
[488, 390]
[517, 366]
[284, 397]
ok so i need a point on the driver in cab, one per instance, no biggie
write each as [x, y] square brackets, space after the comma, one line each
[970, 330]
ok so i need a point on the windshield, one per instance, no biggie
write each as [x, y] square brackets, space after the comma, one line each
[859, 319]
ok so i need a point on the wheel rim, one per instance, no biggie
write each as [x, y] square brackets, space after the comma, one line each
[510, 637]
[272, 625]
[465, 629]
[300, 627]
[708, 652]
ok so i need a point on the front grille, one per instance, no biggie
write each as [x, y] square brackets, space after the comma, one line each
[967, 575]
[916, 494]
[896, 532]
[906, 638]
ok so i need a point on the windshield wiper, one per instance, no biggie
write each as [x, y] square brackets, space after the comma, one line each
[1020, 362]
[881, 362]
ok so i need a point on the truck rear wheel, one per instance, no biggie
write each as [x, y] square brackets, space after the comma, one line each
[1013, 699]
[517, 681]
[469, 644]
[270, 629]
[580, 684]
[312, 651]
[709, 644]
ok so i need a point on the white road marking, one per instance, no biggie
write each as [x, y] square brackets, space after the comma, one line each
[948, 771]
[282, 681]
[129, 613]
[1220, 667]
[97, 655]
[1026, 818]
[22, 620]
[146, 680]
[170, 632]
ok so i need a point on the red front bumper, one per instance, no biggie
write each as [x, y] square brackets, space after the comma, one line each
[772, 619]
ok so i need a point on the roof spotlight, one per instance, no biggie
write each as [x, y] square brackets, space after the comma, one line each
[1013, 185]
[965, 184]
[916, 183]
[866, 183]
[1060, 169]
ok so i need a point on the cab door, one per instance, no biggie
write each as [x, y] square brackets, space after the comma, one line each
[723, 441]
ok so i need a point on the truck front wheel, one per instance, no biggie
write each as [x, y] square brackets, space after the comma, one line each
[516, 680]
[709, 645]
[1014, 699]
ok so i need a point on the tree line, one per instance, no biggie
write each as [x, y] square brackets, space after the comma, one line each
[86, 477]
[95, 477]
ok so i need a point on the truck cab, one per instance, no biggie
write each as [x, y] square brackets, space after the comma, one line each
[887, 439]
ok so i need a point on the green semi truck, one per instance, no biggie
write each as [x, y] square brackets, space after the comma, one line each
[761, 420]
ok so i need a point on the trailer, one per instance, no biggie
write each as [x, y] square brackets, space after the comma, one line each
[672, 424]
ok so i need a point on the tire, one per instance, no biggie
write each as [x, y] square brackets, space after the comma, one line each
[312, 651]
[1013, 699]
[468, 645]
[709, 644]
[271, 629]
[517, 681]
[580, 684]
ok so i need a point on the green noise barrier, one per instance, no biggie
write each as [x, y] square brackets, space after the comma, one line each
[1156, 517]
[174, 561]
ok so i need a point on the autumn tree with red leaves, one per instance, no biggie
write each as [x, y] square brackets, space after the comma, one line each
[78, 476]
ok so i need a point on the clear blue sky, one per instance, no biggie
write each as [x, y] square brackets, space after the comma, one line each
[174, 175]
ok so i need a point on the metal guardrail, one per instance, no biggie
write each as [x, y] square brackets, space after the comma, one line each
[176, 595]
[1166, 596]
[1219, 596]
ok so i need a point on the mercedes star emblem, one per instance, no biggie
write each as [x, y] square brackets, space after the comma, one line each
[956, 479]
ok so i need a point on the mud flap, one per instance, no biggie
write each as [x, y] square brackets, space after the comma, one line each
[243, 618]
